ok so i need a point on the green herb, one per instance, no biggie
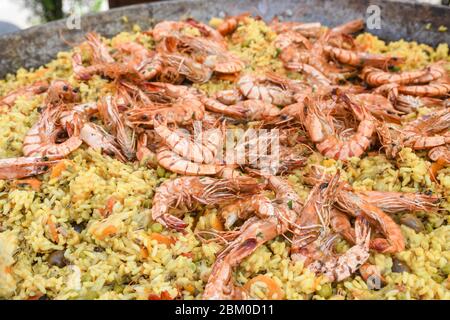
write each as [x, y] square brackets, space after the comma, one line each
[290, 204]
[394, 68]
[277, 53]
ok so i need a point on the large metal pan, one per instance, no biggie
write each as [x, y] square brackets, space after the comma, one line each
[38, 45]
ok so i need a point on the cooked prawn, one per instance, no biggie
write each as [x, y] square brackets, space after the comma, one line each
[376, 77]
[356, 205]
[171, 161]
[36, 88]
[98, 139]
[321, 131]
[429, 90]
[18, 168]
[394, 202]
[230, 24]
[361, 59]
[264, 88]
[340, 267]
[442, 152]
[200, 150]
[186, 192]
[243, 208]
[146, 63]
[126, 137]
[244, 110]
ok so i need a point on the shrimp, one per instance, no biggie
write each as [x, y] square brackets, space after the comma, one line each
[340, 267]
[203, 151]
[213, 55]
[349, 27]
[170, 28]
[182, 110]
[356, 205]
[98, 139]
[171, 161]
[36, 88]
[442, 152]
[170, 75]
[61, 91]
[225, 63]
[313, 220]
[143, 152]
[230, 24]
[99, 49]
[435, 72]
[192, 70]
[81, 72]
[156, 90]
[229, 97]
[309, 70]
[321, 131]
[147, 64]
[245, 110]
[251, 235]
[360, 59]
[293, 112]
[243, 208]
[377, 105]
[340, 223]
[289, 38]
[376, 77]
[166, 28]
[125, 136]
[18, 168]
[186, 192]
[429, 90]
[176, 113]
[182, 106]
[208, 32]
[350, 202]
[80, 112]
[395, 202]
[38, 143]
[428, 131]
[265, 89]
[40, 140]
[113, 70]
[409, 104]
[309, 30]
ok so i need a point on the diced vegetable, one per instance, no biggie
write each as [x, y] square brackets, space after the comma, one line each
[274, 291]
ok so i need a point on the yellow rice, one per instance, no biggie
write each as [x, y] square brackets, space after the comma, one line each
[128, 265]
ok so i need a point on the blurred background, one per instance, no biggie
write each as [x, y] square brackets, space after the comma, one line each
[21, 14]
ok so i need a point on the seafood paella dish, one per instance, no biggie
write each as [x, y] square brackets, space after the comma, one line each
[235, 159]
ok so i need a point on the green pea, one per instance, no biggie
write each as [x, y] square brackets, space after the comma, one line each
[91, 295]
[438, 278]
[325, 291]
[118, 289]
[147, 203]
[157, 227]
[446, 269]
[401, 296]
[160, 171]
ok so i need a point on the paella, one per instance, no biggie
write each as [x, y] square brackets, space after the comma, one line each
[239, 159]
